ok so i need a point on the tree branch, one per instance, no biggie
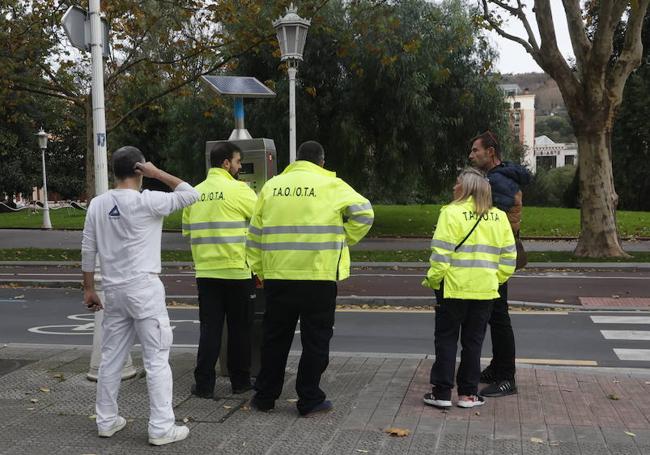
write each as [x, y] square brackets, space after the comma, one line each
[180, 85]
[579, 40]
[631, 55]
[603, 42]
[530, 46]
[43, 92]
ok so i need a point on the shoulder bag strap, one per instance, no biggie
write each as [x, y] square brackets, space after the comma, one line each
[468, 234]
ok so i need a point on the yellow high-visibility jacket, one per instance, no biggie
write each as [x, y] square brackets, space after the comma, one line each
[486, 259]
[304, 221]
[217, 224]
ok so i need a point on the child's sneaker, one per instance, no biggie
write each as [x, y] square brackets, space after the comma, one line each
[470, 401]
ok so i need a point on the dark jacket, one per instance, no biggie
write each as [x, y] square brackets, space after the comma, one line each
[506, 181]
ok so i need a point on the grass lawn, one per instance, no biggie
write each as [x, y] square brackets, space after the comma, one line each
[390, 221]
[37, 254]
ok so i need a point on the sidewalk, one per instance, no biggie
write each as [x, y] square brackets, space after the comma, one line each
[47, 405]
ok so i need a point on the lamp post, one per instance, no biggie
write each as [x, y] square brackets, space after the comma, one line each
[292, 34]
[42, 144]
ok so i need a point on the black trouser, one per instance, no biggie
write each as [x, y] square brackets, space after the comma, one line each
[503, 338]
[221, 300]
[470, 318]
[314, 302]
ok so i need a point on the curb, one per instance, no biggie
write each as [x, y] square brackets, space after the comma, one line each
[363, 302]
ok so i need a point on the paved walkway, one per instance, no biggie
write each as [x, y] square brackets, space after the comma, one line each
[35, 238]
[47, 407]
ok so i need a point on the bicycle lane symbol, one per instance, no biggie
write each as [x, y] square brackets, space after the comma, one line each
[85, 326]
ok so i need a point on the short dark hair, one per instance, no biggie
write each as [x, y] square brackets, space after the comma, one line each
[488, 139]
[221, 152]
[311, 151]
[124, 160]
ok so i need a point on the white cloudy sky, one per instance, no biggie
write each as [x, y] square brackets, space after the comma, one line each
[513, 57]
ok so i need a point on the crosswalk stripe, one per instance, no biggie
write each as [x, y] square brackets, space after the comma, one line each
[621, 319]
[638, 355]
[632, 335]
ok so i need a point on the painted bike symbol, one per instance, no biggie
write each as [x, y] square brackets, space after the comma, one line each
[85, 326]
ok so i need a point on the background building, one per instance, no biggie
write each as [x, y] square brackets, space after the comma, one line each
[522, 120]
[549, 154]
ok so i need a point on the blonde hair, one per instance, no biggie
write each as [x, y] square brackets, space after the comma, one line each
[474, 183]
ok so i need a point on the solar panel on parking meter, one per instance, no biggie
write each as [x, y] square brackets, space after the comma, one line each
[236, 86]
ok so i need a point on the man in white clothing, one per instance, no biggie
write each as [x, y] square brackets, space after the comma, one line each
[124, 228]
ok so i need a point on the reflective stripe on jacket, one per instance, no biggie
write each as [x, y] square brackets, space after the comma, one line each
[304, 221]
[486, 259]
[217, 225]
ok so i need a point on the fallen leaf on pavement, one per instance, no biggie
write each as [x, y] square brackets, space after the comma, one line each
[362, 451]
[19, 297]
[629, 433]
[34, 400]
[292, 400]
[613, 396]
[245, 408]
[398, 432]
[92, 417]
[225, 406]
[615, 296]
[30, 409]
[477, 413]
[537, 440]
[559, 300]
[44, 389]
[185, 420]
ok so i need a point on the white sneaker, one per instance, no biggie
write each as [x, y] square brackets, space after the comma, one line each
[120, 423]
[470, 401]
[431, 400]
[176, 433]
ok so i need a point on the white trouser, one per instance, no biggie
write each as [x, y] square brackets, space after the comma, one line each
[155, 335]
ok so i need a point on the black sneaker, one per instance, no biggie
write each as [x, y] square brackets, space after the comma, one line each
[500, 389]
[325, 406]
[431, 400]
[201, 393]
[487, 376]
[256, 405]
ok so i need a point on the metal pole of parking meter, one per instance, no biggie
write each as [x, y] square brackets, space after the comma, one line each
[101, 173]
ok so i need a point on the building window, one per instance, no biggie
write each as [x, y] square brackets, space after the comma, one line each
[517, 105]
[570, 160]
[546, 162]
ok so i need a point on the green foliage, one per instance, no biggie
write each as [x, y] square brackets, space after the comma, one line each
[631, 137]
[392, 90]
[549, 187]
[557, 127]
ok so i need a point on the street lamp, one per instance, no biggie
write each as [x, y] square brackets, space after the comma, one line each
[292, 34]
[42, 144]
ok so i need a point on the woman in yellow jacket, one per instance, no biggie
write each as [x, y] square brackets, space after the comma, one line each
[473, 252]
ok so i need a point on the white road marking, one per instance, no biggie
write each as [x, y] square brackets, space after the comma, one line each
[621, 319]
[637, 355]
[632, 335]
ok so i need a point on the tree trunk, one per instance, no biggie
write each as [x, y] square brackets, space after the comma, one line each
[598, 236]
[90, 158]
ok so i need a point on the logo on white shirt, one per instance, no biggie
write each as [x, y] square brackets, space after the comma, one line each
[114, 212]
